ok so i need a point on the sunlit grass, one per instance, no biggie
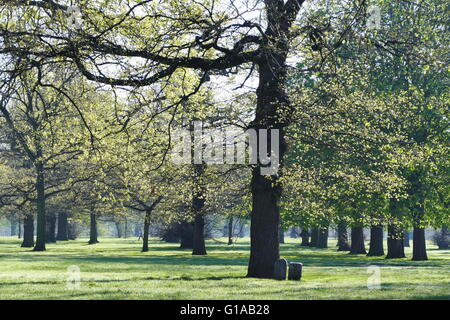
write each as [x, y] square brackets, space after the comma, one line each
[116, 269]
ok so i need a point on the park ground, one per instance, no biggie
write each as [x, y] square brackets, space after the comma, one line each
[116, 269]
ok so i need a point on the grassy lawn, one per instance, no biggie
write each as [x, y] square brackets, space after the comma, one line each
[116, 269]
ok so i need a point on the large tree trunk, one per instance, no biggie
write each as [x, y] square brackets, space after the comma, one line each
[342, 243]
[62, 234]
[357, 241]
[314, 237]
[230, 231]
[28, 231]
[376, 241]
[419, 245]
[187, 235]
[50, 227]
[93, 229]
[406, 238]
[40, 207]
[395, 242]
[322, 238]
[146, 231]
[305, 237]
[273, 111]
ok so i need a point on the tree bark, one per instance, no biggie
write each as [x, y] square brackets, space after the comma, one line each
[230, 231]
[376, 241]
[305, 237]
[395, 246]
[273, 111]
[419, 245]
[50, 227]
[314, 237]
[93, 229]
[322, 238]
[40, 207]
[198, 248]
[343, 244]
[28, 232]
[357, 241]
[63, 232]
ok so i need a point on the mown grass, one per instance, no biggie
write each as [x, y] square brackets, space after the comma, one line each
[116, 269]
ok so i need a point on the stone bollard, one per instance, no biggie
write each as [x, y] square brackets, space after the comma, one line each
[295, 271]
[280, 269]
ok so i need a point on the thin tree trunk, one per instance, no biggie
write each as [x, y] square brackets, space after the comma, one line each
[19, 233]
[230, 231]
[357, 241]
[146, 231]
[50, 227]
[395, 243]
[119, 229]
[305, 237]
[199, 248]
[322, 238]
[198, 203]
[343, 244]
[125, 231]
[28, 231]
[40, 207]
[376, 241]
[13, 222]
[63, 232]
[93, 229]
[314, 237]
[419, 245]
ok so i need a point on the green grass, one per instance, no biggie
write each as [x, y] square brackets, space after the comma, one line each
[116, 269]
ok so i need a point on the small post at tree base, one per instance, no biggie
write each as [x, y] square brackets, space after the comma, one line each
[280, 269]
[295, 271]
